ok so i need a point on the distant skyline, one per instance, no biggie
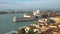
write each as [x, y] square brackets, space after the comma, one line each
[29, 4]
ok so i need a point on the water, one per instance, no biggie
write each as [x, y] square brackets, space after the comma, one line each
[7, 25]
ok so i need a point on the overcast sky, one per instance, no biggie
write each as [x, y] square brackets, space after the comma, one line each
[29, 4]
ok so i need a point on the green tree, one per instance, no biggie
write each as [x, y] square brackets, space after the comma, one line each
[21, 31]
[50, 21]
[31, 30]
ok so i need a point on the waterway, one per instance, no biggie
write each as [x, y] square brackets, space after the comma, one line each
[7, 25]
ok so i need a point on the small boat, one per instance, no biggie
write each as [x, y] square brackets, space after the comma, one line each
[12, 32]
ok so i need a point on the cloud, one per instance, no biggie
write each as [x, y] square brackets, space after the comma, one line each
[30, 4]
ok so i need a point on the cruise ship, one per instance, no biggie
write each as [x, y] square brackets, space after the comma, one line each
[28, 17]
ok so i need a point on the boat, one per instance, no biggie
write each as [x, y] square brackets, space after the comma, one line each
[12, 32]
[27, 17]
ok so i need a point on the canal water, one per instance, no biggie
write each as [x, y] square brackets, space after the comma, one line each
[7, 24]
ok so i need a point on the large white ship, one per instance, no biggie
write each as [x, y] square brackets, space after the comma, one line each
[28, 17]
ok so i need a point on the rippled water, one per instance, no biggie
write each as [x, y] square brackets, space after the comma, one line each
[6, 23]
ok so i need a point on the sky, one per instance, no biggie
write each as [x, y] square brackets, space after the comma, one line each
[29, 4]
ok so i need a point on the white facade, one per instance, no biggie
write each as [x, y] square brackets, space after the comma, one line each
[36, 12]
[59, 26]
[35, 30]
[27, 29]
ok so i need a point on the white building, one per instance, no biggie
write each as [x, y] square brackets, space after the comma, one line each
[36, 12]
[35, 30]
[27, 29]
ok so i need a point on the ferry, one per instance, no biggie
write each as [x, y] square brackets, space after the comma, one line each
[12, 32]
[28, 17]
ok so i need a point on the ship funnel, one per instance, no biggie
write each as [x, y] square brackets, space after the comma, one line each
[14, 19]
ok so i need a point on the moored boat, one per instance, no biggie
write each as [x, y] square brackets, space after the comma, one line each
[28, 17]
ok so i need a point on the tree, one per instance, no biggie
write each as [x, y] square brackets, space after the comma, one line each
[21, 31]
[31, 30]
[50, 21]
